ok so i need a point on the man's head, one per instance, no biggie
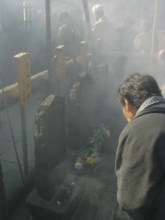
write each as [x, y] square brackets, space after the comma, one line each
[98, 11]
[63, 17]
[134, 91]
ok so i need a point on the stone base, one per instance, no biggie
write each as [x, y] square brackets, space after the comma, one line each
[63, 204]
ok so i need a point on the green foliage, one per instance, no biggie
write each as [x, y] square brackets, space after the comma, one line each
[98, 138]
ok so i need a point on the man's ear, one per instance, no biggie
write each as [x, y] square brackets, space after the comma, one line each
[128, 106]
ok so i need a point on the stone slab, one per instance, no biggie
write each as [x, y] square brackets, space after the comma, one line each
[58, 208]
[49, 135]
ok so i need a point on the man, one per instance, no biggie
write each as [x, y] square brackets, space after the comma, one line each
[64, 36]
[37, 43]
[143, 41]
[68, 34]
[140, 157]
[125, 36]
[103, 28]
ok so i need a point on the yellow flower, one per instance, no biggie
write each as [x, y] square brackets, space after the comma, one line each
[79, 160]
[90, 160]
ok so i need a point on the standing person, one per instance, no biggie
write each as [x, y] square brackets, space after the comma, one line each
[37, 43]
[125, 36]
[140, 156]
[143, 41]
[143, 45]
[103, 28]
[65, 34]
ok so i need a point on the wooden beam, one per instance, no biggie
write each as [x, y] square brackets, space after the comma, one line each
[38, 82]
[11, 92]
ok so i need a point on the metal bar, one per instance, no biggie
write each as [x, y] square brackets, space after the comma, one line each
[154, 26]
[153, 32]
[24, 139]
[4, 213]
[48, 38]
[87, 17]
[91, 42]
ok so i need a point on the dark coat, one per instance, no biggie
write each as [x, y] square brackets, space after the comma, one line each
[140, 167]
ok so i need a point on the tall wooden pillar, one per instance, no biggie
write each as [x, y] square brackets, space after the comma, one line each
[83, 57]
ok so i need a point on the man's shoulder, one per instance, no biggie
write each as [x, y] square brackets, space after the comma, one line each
[133, 127]
[143, 121]
[103, 21]
[65, 27]
[97, 23]
[155, 108]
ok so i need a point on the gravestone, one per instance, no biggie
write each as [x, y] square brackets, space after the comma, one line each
[60, 193]
[57, 193]
[78, 109]
[49, 136]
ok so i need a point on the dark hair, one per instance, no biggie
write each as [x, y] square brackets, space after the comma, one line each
[137, 88]
[98, 10]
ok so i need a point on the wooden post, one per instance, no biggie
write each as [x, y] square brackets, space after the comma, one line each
[4, 214]
[24, 89]
[61, 66]
[83, 56]
[99, 41]
[38, 81]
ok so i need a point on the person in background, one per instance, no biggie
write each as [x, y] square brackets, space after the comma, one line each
[68, 34]
[103, 29]
[143, 41]
[54, 31]
[64, 36]
[125, 36]
[161, 57]
[37, 43]
[140, 156]
[76, 16]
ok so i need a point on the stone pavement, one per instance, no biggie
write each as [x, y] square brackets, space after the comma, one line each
[10, 169]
